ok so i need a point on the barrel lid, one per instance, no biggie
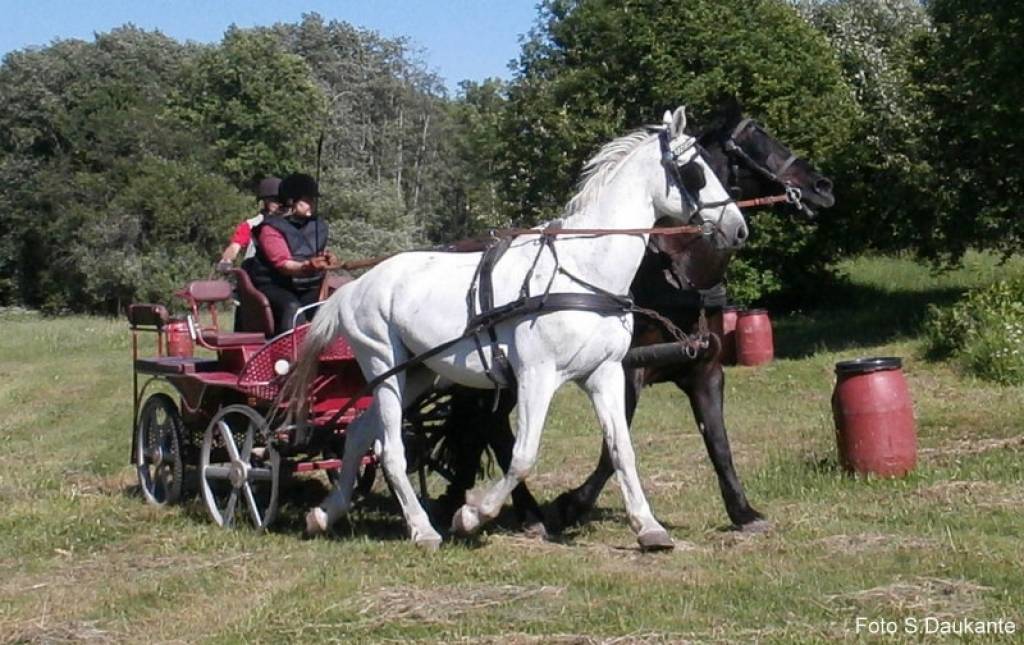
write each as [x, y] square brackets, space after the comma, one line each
[736, 308]
[754, 312]
[865, 365]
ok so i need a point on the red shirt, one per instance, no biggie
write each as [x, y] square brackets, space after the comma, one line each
[274, 246]
[242, 235]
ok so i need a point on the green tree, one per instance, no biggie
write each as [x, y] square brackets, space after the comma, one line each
[472, 203]
[591, 69]
[890, 192]
[383, 130]
[971, 75]
[77, 119]
[258, 104]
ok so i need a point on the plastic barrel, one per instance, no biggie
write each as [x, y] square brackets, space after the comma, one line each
[754, 342]
[875, 429]
[179, 341]
[726, 330]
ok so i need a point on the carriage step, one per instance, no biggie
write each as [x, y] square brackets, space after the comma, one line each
[329, 464]
[326, 464]
[174, 365]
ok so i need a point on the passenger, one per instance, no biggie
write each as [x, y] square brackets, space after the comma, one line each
[242, 237]
[291, 257]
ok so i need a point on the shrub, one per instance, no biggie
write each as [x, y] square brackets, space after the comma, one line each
[983, 333]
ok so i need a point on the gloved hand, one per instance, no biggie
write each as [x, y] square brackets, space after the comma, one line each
[319, 263]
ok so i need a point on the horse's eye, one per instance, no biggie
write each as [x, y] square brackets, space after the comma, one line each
[692, 175]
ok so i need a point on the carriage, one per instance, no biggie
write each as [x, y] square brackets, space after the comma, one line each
[217, 435]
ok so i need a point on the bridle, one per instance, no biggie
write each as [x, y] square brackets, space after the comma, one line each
[737, 154]
[688, 176]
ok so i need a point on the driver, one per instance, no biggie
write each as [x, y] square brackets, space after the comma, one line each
[291, 257]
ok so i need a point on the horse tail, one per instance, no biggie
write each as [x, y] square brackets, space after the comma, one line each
[324, 330]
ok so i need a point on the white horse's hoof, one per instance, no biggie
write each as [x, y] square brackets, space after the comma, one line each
[655, 540]
[466, 521]
[316, 522]
[428, 542]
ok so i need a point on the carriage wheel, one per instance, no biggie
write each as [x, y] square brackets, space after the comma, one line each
[158, 450]
[239, 468]
[424, 427]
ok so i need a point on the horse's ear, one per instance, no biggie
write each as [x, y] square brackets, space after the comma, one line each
[731, 108]
[678, 122]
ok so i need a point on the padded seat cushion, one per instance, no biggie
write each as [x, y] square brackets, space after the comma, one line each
[220, 339]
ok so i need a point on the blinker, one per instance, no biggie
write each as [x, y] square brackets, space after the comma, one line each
[692, 177]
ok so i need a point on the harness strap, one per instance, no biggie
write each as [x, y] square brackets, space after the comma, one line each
[543, 304]
[500, 373]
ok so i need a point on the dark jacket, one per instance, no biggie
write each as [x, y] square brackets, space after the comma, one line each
[306, 238]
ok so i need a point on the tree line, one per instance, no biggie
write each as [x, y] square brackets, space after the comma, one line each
[126, 161]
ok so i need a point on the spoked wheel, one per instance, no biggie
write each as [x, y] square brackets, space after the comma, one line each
[424, 430]
[158, 450]
[239, 469]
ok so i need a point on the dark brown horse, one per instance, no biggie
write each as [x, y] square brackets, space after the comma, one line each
[751, 164]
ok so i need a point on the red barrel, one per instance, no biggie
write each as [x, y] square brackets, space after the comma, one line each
[726, 330]
[874, 417]
[179, 341]
[754, 343]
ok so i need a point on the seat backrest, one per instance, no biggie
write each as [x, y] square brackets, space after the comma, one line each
[254, 312]
[208, 291]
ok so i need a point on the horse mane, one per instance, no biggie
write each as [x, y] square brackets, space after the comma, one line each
[600, 169]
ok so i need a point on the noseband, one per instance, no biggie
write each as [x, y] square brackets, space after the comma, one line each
[736, 154]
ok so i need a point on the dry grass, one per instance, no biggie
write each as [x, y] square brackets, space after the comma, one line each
[844, 544]
[979, 494]
[939, 597]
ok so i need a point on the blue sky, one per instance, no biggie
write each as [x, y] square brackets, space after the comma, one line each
[461, 39]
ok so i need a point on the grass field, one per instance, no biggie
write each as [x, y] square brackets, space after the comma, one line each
[82, 558]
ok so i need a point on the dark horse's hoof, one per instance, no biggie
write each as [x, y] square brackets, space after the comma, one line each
[569, 511]
[655, 540]
[535, 531]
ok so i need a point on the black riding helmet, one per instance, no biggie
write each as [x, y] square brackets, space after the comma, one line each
[268, 188]
[297, 186]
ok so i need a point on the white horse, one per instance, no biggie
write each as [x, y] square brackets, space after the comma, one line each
[416, 301]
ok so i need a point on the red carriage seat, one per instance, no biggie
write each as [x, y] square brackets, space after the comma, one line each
[254, 312]
[209, 293]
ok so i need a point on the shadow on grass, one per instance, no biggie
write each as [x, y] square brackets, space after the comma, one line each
[857, 316]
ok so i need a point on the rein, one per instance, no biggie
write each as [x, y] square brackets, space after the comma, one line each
[481, 244]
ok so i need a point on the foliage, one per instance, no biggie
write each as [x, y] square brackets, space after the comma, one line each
[105, 196]
[367, 218]
[258, 104]
[473, 203]
[889, 195]
[122, 159]
[971, 76]
[983, 332]
[384, 125]
[593, 69]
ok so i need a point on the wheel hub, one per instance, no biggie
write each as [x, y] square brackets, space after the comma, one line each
[156, 456]
[238, 473]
